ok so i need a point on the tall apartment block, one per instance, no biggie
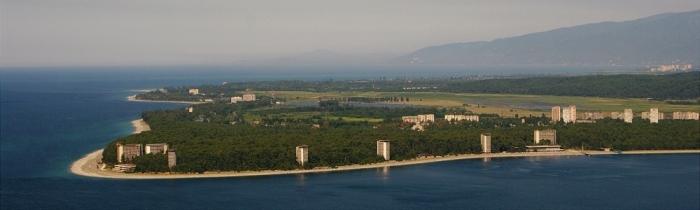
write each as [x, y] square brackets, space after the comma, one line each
[654, 115]
[302, 154]
[156, 148]
[569, 114]
[384, 149]
[556, 114]
[172, 158]
[193, 91]
[486, 142]
[126, 152]
[628, 116]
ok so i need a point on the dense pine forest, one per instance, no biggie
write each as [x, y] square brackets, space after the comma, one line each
[258, 135]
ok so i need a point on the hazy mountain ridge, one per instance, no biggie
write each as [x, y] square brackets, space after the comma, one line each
[660, 39]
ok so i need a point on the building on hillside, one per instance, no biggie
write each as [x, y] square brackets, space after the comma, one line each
[127, 152]
[236, 99]
[628, 116]
[248, 97]
[460, 117]
[686, 116]
[384, 149]
[486, 142]
[654, 115]
[161, 148]
[547, 134]
[172, 158]
[556, 114]
[302, 154]
[190, 109]
[193, 91]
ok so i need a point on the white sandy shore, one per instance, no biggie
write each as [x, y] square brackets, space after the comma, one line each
[133, 98]
[87, 166]
[140, 126]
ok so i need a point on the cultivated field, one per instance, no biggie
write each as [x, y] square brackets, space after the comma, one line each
[502, 104]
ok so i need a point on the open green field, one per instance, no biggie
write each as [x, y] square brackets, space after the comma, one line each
[309, 115]
[502, 104]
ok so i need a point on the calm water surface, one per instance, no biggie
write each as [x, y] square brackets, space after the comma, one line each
[50, 119]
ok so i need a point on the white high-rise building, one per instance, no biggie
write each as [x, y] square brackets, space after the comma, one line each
[486, 142]
[568, 114]
[302, 152]
[654, 115]
[384, 149]
[628, 115]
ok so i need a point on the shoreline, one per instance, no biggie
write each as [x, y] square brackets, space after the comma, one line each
[132, 98]
[87, 165]
[140, 126]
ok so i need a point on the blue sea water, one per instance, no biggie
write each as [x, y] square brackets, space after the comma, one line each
[52, 117]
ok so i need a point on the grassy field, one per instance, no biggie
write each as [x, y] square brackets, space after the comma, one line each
[502, 104]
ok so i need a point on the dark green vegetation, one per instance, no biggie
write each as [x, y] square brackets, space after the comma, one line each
[259, 136]
[672, 86]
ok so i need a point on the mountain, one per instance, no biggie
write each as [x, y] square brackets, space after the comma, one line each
[660, 39]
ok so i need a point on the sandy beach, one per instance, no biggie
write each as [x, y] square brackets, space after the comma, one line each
[140, 126]
[87, 166]
[133, 98]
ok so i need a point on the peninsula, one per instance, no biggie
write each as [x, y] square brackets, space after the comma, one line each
[233, 130]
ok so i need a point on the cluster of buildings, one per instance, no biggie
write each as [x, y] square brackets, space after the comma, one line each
[193, 91]
[128, 152]
[245, 97]
[568, 115]
[673, 68]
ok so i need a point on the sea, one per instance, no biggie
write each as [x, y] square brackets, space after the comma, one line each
[50, 117]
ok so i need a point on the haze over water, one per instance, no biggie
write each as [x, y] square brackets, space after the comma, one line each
[51, 119]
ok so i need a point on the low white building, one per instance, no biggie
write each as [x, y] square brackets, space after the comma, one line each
[460, 117]
[236, 99]
[194, 91]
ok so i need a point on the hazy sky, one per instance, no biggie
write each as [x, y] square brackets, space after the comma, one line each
[155, 32]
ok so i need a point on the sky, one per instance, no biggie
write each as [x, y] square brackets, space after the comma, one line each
[172, 32]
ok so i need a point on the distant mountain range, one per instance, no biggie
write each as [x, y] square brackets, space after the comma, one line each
[660, 39]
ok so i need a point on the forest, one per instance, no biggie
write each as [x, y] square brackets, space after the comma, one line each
[259, 136]
[680, 86]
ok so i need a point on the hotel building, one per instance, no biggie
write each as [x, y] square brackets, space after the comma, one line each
[383, 149]
[302, 154]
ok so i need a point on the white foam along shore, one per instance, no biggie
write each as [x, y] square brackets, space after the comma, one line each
[88, 165]
[133, 98]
